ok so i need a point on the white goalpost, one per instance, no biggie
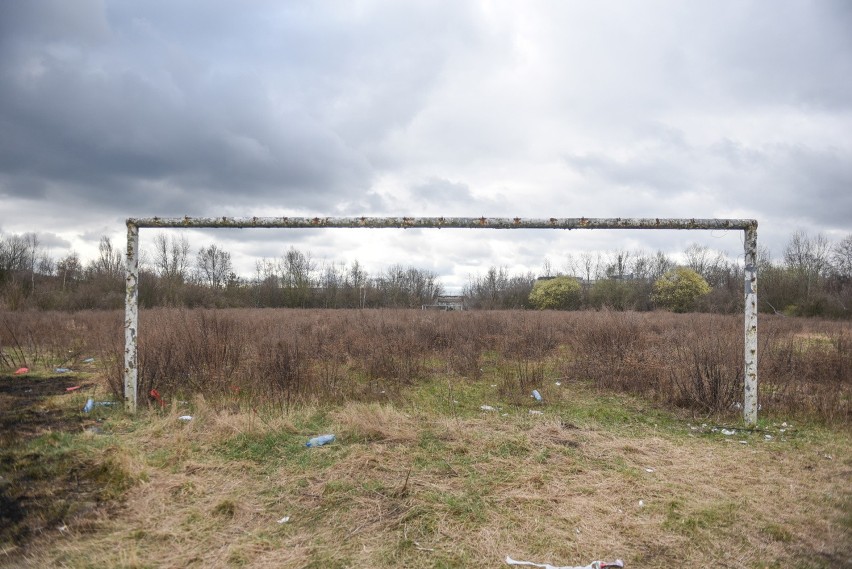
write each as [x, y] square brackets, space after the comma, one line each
[747, 226]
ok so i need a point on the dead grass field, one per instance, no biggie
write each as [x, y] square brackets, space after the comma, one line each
[437, 482]
[420, 475]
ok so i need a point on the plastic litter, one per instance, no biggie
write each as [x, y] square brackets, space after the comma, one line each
[649, 470]
[61, 370]
[185, 418]
[558, 383]
[592, 565]
[156, 395]
[320, 440]
[22, 370]
[72, 388]
[728, 432]
[536, 412]
[536, 395]
[89, 361]
[487, 408]
[91, 404]
[284, 520]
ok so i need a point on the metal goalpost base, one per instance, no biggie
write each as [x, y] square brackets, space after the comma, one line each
[748, 226]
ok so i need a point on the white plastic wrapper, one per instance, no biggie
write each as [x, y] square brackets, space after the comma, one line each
[592, 565]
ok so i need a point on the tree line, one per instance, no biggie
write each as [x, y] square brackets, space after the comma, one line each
[812, 277]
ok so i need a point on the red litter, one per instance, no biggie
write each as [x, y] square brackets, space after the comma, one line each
[72, 388]
[22, 370]
[156, 395]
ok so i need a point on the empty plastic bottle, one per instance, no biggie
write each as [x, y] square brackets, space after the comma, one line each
[320, 440]
[90, 404]
[536, 395]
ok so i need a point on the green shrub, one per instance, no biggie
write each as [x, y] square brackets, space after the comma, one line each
[678, 289]
[560, 293]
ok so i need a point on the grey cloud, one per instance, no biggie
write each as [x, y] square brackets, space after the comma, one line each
[54, 21]
[94, 235]
[369, 203]
[789, 53]
[212, 107]
[816, 183]
[442, 191]
[135, 130]
[126, 135]
[784, 180]
[646, 172]
[52, 240]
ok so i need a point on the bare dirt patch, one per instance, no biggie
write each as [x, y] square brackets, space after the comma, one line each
[43, 482]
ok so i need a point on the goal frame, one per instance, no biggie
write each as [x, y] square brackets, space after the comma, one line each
[747, 226]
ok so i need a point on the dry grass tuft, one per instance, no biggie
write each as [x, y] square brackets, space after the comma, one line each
[373, 422]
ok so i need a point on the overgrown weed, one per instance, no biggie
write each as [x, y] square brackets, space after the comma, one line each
[417, 483]
[286, 357]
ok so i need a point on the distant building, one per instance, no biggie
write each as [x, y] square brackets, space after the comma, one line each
[447, 303]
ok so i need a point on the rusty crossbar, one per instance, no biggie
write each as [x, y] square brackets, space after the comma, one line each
[748, 226]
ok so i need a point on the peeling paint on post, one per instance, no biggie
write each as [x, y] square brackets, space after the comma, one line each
[443, 222]
[131, 317]
[750, 372]
[749, 226]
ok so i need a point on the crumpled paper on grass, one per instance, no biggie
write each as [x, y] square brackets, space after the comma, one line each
[592, 565]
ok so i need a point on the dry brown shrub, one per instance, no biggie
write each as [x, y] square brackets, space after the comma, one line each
[283, 356]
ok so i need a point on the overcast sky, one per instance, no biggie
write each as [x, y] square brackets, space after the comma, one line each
[722, 108]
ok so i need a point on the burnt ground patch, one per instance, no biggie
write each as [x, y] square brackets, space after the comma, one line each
[22, 413]
[46, 477]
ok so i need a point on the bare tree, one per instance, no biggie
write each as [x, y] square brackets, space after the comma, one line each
[642, 262]
[213, 265]
[69, 268]
[14, 252]
[486, 292]
[33, 244]
[297, 276]
[712, 265]
[45, 264]
[619, 265]
[356, 281]
[109, 262]
[171, 257]
[660, 265]
[807, 255]
[590, 265]
[570, 265]
[699, 258]
[841, 257]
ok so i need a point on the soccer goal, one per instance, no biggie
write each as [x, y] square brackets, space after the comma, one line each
[747, 226]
